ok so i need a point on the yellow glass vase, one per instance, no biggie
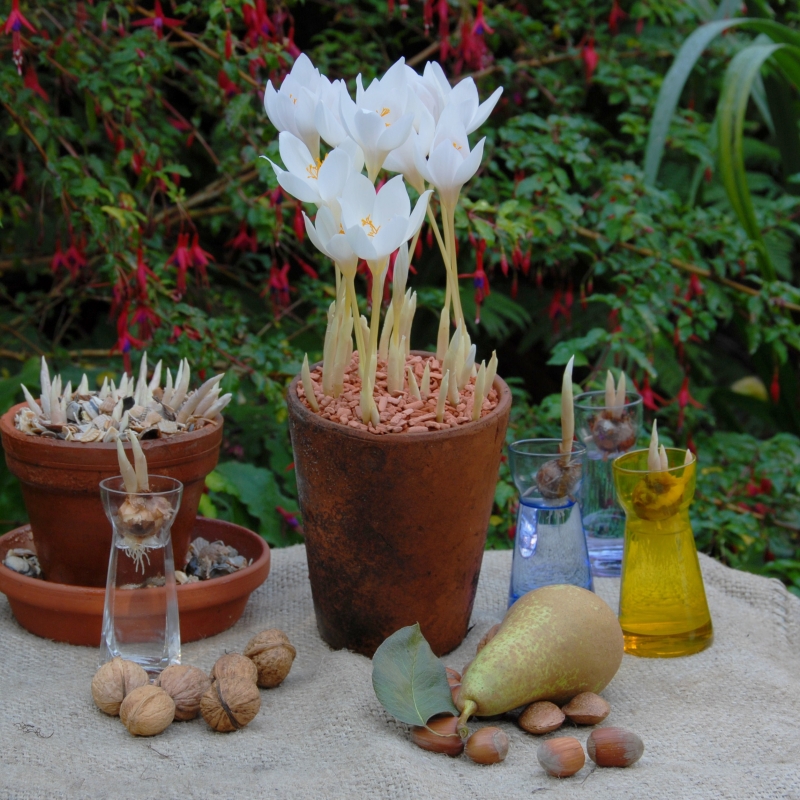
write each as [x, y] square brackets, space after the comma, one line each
[662, 609]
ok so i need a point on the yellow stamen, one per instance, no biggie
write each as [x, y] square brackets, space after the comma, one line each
[313, 169]
[384, 111]
[457, 146]
[368, 223]
[292, 98]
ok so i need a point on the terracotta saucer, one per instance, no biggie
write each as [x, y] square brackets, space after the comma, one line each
[74, 614]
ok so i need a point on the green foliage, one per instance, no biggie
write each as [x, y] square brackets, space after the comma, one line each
[142, 139]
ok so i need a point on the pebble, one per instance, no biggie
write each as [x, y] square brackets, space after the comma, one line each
[399, 413]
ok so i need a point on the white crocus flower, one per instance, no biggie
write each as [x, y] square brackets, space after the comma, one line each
[377, 223]
[310, 179]
[327, 235]
[451, 163]
[381, 118]
[327, 114]
[404, 158]
[292, 107]
[472, 112]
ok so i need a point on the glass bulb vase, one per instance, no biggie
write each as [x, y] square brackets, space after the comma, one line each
[140, 616]
[607, 433]
[549, 543]
[663, 609]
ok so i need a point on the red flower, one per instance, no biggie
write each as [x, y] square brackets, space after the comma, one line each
[278, 285]
[158, 21]
[14, 25]
[481, 26]
[615, 17]
[775, 387]
[226, 84]
[309, 270]
[443, 9]
[137, 162]
[590, 59]
[299, 224]
[257, 22]
[18, 183]
[180, 258]
[75, 257]
[200, 258]
[244, 240]
[143, 272]
[480, 280]
[228, 46]
[31, 82]
[504, 263]
[650, 400]
[685, 399]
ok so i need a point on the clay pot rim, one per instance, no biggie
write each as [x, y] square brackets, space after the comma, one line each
[401, 440]
[85, 599]
[57, 447]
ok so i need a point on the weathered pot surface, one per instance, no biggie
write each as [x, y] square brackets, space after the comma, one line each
[60, 485]
[74, 614]
[395, 525]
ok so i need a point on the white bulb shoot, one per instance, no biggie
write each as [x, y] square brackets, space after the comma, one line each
[567, 412]
[653, 459]
[308, 386]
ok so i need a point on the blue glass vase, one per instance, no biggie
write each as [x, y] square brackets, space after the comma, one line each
[549, 544]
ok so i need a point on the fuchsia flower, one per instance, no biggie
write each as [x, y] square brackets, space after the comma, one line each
[59, 261]
[14, 24]
[31, 82]
[180, 258]
[200, 258]
[228, 46]
[158, 21]
[18, 183]
[480, 280]
[75, 257]
[590, 58]
[258, 23]
[244, 240]
[615, 16]
[685, 399]
[227, 85]
[481, 26]
[775, 387]
[143, 272]
[278, 285]
[650, 400]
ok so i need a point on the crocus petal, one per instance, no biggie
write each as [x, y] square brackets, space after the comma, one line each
[357, 200]
[333, 175]
[392, 199]
[343, 254]
[361, 244]
[316, 239]
[330, 129]
[418, 214]
[485, 108]
[355, 152]
[390, 236]
[395, 134]
[295, 154]
[298, 188]
[469, 166]
[465, 92]
[326, 224]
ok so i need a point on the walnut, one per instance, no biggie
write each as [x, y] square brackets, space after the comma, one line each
[234, 665]
[114, 681]
[230, 704]
[185, 685]
[273, 654]
[147, 711]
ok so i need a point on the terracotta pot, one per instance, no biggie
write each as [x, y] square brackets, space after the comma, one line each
[395, 526]
[74, 614]
[60, 486]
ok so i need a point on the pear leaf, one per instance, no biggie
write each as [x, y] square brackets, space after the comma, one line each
[409, 681]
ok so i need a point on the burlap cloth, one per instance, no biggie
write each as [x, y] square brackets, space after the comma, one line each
[721, 724]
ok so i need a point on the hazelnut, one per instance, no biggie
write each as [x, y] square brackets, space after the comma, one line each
[561, 757]
[234, 665]
[273, 654]
[185, 685]
[230, 704]
[113, 681]
[441, 738]
[587, 708]
[541, 717]
[454, 679]
[614, 747]
[487, 637]
[147, 711]
[487, 746]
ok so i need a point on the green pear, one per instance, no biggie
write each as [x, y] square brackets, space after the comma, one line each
[553, 644]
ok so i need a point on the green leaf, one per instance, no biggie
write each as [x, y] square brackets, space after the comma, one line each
[409, 681]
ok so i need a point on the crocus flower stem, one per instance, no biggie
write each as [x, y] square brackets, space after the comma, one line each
[567, 413]
[351, 292]
[449, 225]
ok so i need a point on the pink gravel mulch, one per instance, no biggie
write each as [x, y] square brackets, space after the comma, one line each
[399, 413]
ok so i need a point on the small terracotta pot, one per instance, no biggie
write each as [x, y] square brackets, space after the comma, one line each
[74, 614]
[60, 486]
[395, 525]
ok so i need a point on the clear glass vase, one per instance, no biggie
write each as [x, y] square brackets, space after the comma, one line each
[550, 544]
[140, 617]
[662, 609]
[606, 433]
